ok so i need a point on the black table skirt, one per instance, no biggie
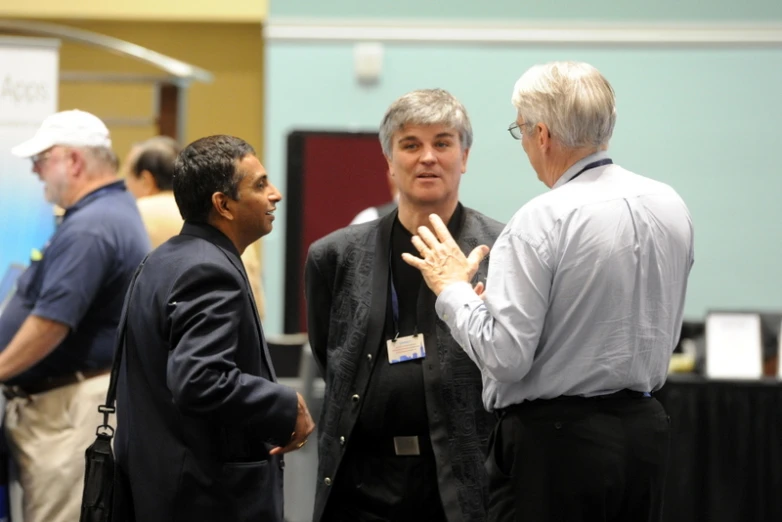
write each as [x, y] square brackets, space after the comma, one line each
[726, 450]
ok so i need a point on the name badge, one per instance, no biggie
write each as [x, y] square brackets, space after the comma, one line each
[407, 348]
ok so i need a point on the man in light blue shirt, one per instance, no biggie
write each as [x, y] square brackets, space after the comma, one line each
[582, 309]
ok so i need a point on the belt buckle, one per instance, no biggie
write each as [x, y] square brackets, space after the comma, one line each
[406, 446]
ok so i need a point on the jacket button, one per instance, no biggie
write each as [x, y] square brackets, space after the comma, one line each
[369, 357]
[327, 481]
[342, 441]
[355, 398]
[558, 425]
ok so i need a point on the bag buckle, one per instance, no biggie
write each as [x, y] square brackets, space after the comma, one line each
[104, 429]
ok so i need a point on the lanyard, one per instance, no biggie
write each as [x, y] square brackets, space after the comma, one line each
[394, 304]
[593, 165]
[395, 301]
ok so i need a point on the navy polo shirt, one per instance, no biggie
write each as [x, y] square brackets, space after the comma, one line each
[80, 280]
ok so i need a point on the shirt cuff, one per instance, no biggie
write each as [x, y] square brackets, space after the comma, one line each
[453, 298]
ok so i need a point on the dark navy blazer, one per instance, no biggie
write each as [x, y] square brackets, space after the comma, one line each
[198, 406]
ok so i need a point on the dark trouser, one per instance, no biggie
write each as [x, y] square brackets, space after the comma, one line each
[579, 460]
[372, 487]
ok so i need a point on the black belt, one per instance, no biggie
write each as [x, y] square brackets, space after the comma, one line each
[50, 383]
[576, 399]
[400, 446]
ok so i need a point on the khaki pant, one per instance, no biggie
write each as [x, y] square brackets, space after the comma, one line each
[48, 434]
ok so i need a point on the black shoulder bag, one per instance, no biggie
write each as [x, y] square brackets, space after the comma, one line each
[106, 495]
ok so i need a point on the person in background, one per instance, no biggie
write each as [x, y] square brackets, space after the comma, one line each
[57, 332]
[403, 433]
[582, 310]
[149, 172]
[149, 176]
[372, 213]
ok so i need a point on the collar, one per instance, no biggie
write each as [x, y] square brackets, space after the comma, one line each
[211, 234]
[114, 186]
[454, 224]
[577, 166]
[456, 221]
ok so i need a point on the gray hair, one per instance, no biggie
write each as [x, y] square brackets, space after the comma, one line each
[425, 107]
[101, 158]
[572, 99]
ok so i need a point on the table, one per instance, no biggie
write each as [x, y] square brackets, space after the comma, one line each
[726, 450]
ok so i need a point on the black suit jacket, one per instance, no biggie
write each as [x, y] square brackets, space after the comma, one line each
[198, 407]
[346, 283]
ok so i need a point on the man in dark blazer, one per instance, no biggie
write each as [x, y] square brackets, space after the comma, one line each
[201, 421]
[403, 432]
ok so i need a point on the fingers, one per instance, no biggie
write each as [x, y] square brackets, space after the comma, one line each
[279, 450]
[413, 261]
[297, 443]
[431, 248]
[304, 427]
[441, 253]
[476, 256]
[440, 228]
[480, 290]
[427, 238]
[420, 246]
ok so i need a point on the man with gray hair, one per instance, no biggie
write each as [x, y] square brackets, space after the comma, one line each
[58, 331]
[582, 310]
[402, 434]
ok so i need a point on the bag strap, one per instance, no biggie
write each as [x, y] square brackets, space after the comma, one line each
[107, 408]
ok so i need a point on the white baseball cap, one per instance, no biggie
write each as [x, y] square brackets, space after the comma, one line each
[75, 128]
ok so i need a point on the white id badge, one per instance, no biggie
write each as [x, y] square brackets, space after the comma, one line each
[407, 348]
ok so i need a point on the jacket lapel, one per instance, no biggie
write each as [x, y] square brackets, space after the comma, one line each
[220, 240]
[380, 273]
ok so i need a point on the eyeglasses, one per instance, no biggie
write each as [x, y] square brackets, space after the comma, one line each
[41, 158]
[515, 130]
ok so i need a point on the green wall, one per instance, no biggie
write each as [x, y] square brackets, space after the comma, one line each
[716, 10]
[704, 120]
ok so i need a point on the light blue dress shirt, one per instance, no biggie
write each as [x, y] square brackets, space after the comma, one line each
[585, 290]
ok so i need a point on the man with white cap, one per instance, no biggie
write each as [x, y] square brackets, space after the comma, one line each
[57, 332]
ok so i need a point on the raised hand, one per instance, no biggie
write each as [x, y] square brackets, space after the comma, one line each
[442, 261]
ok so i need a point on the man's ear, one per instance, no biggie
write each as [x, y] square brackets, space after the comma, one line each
[389, 173]
[465, 157]
[77, 160]
[149, 183]
[543, 136]
[221, 206]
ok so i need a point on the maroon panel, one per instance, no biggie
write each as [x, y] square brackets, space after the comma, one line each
[343, 175]
[339, 175]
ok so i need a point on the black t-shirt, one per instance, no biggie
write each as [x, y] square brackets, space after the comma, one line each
[372, 487]
[394, 403]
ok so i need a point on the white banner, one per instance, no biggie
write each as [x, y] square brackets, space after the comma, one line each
[28, 94]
